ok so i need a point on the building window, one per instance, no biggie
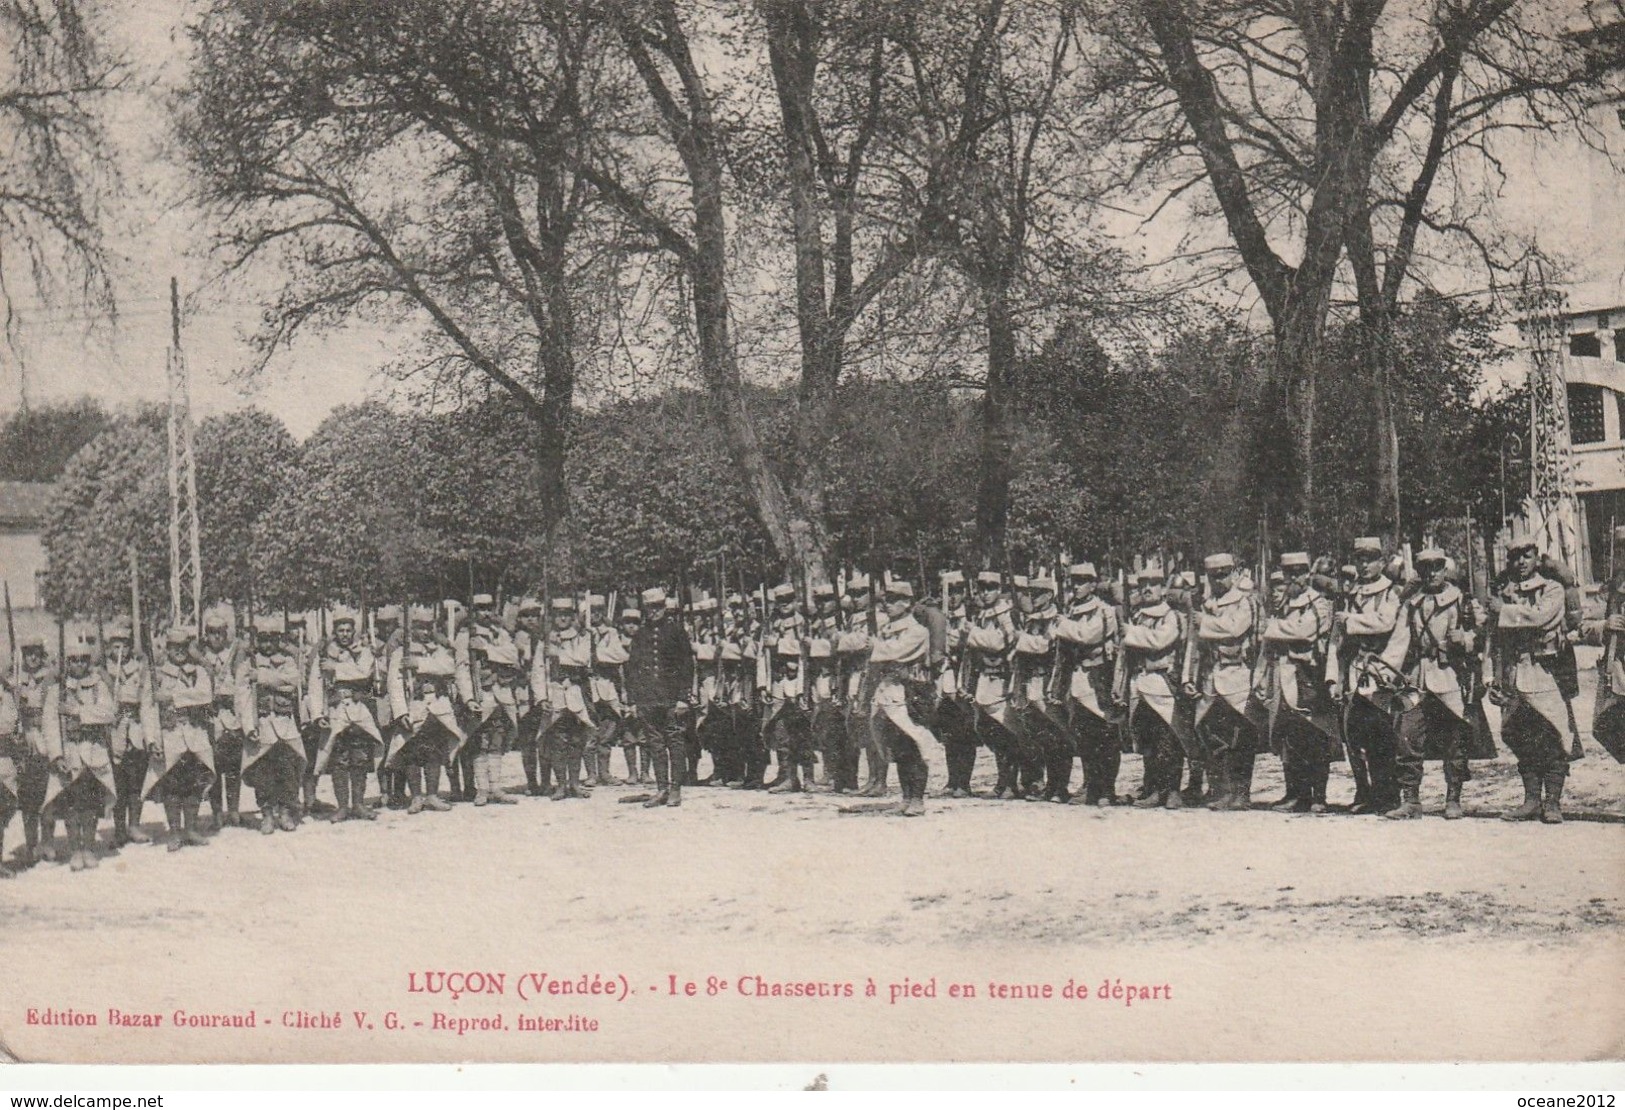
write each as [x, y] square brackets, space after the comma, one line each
[1585, 414]
[1585, 344]
[1619, 344]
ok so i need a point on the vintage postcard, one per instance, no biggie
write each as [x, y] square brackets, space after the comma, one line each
[729, 531]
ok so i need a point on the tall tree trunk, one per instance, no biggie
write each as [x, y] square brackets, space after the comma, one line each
[793, 56]
[696, 137]
[1377, 317]
[719, 369]
[998, 402]
[1284, 442]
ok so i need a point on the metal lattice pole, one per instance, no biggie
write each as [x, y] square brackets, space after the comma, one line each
[185, 565]
[1554, 506]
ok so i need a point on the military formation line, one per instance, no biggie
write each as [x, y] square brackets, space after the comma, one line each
[1375, 664]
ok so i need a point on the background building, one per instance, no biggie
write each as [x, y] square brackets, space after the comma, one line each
[1594, 367]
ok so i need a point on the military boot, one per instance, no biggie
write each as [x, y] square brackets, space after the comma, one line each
[563, 761]
[132, 824]
[267, 821]
[1193, 793]
[676, 796]
[789, 780]
[662, 793]
[1409, 807]
[234, 795]
[1551, 813]
[285, 819]
[341, 796]
[1241, 781]
[189, 819]
[358, 797]
[916, 805]
[781, 770]
[432, 801]
[1530, 809]
[76, 853]
[1452, 801]
[172, 817]
[1219, 781]
[88, 844]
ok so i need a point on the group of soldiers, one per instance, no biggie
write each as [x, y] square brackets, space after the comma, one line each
[1376, 662]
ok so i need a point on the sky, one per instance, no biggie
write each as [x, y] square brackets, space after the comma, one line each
[1571, 197]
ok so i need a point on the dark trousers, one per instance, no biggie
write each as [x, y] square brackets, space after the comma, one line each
[563, 743]
[665, 740]
[1164, 754]
[1306, 774]
[130, 776]
[853, 730]
[1430, 726]
[1536, 743]
[275, 778]
[912, 774]
[1100, 752]
[228, 762]
[1372, 751]
[953, 726]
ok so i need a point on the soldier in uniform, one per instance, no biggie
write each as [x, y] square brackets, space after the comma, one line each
[823, 631]
[852, 648]
[487, 674]
[1290, 684]
[10, 755]
[529, 638]
[341, 684]
[1371, 648]
[304, 654]
[1088, 637]
[273, 749]
[659, 677]
[1150, 662]
[608, 703]
[1435, 722]
[182, 766]
[228, 664]
[729, 718]
[601, 741]
[989, 639]
[784, 719]
[1608, 714]
[79, 715]
[570, 725]
[638, 770]
[387, 634]
[487, 732]
[131, 680]
[33, 678]
[1225, 633]
[709, 732]
[954, 721]
[1528, 619]
[786, 728]
[422, 684]
[902, 682]
[1035, 696]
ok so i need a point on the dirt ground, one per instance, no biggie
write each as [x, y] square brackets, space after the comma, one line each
[1246, 936]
